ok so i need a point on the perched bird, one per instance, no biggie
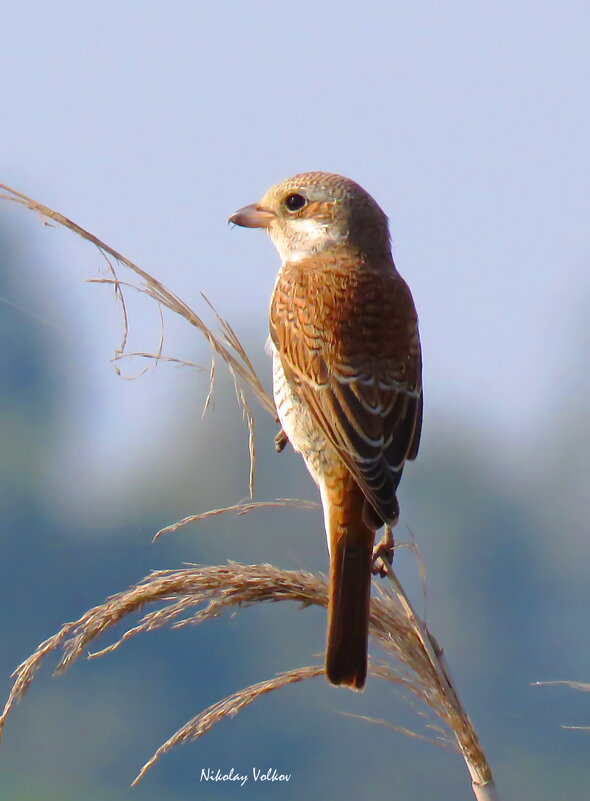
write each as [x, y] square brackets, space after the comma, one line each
[347, 376]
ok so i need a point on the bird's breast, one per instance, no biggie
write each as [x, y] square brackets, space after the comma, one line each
[298, 424]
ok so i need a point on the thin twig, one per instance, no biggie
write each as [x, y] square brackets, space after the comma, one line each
[227, 346]
[481, 774]
[238, 509]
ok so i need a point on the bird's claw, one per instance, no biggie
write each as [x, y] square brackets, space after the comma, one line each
[383, 552]
[281, 441]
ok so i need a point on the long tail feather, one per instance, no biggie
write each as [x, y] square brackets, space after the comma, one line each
[348, 607]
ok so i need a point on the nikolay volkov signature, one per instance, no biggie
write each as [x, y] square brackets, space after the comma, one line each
[256, 774]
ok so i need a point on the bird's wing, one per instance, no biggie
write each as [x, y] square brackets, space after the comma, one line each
[351, 350]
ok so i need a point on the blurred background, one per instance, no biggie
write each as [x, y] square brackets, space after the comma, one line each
[149, 124]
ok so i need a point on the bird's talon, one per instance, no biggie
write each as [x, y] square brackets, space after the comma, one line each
[281, 441]
[383, 552]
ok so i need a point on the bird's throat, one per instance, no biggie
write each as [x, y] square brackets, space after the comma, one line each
[305, 238]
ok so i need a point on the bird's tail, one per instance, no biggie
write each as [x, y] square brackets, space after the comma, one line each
[351, 549]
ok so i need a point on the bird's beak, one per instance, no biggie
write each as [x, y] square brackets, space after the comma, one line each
[253, 216]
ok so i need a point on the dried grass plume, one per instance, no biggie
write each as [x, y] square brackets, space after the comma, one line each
[193, 594]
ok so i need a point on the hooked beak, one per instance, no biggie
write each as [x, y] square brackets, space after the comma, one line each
[253, 216]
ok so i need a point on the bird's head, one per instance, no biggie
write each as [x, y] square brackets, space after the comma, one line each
[318, 211]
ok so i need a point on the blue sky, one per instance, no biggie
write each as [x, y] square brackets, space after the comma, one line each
[469, 122]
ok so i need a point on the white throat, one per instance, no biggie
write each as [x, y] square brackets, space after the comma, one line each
[306, 237]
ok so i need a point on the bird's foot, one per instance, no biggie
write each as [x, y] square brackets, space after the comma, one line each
[281, 441]
[383, 552]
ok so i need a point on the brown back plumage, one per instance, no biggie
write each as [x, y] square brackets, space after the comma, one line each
[347, 335]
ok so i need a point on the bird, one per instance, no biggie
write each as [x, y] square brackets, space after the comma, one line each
[347, 379]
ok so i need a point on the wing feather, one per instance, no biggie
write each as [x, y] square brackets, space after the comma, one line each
[359, 374]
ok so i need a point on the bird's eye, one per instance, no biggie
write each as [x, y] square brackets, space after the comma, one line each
[294, 202]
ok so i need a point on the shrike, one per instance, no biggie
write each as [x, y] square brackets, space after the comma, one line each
[347, 376]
